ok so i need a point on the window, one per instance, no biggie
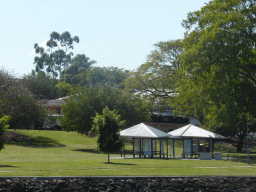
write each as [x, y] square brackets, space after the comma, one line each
[58, 110]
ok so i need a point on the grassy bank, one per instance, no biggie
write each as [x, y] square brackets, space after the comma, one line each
[54, 153]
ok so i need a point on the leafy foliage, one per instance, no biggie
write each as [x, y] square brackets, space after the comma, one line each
[58, 57]
[158, 75]
[111, 76]
[41, 85]
[156, 79]
[107, 127]
[224, 37]
[64, 89]
[218, 67]
[3, 127]
[19, 103]
[83, 74]
[76, 73]
[79, 109]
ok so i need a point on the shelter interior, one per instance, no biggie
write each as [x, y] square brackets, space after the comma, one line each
[165, 148]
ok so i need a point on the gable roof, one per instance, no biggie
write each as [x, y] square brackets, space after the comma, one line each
[56, 102]
[143, 130]
[194, 131]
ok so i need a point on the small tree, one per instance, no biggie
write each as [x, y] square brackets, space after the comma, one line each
[107, 127]
[3, 127]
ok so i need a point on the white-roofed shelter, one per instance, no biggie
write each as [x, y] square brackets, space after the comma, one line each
[194, 131]
[144, 140]
[191, 135]
[143, 130]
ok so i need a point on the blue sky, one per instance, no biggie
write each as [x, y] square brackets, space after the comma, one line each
[118, 33]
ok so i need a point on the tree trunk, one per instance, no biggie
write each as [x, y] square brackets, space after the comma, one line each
[108, 157]
[240, 143]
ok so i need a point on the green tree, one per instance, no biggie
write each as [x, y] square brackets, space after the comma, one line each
[58, 57]
[158, 75]
[95, 76]
[218, 67]
[41, 85]
[223, 36]
[3, 127]
[79, 109]
[232, 107]
[64, 89]
[25, 111]
[156, 79]
[107, 126]
[113, 76]
[76, 73]
[16, 101]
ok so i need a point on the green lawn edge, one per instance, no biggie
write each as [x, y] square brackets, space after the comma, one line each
[58, 153]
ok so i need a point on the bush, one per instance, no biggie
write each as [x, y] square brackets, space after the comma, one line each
[3, 127]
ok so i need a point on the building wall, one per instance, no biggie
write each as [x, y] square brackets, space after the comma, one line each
[55, 109]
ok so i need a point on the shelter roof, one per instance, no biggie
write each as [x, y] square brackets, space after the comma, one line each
[143, 130]
[194, 131]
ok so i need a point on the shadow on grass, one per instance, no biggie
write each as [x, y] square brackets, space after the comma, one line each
[38, 141]
[7, 166]
[119, 163]
[128, 152]
[87, 150]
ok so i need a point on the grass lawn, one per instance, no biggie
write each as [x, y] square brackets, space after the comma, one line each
[57, 153]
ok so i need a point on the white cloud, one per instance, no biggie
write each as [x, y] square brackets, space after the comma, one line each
[42, 44]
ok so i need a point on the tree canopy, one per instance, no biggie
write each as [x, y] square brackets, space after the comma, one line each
[218, 67]
[19, 103]
[84, 74]
[76, 73]
[58, 57]
[107, 126]
[157, 77]
[3, 127]
[42, 85]
[224, 37]
[81, 107]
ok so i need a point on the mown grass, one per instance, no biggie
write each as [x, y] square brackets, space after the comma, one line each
[55, 153]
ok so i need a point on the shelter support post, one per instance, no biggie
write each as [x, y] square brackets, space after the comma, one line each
[160, 143]
[191, 154]
[172, 152]
[151, 148]
[133, 147]
[167, 143]
[140, 148]
[198, 147]
[210, 147]
[155, 146]
[183, 149]
[124, 151]
[173, 148]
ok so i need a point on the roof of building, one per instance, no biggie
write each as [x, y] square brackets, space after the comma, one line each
[143, 130]
[56, 102]
[194, 131]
